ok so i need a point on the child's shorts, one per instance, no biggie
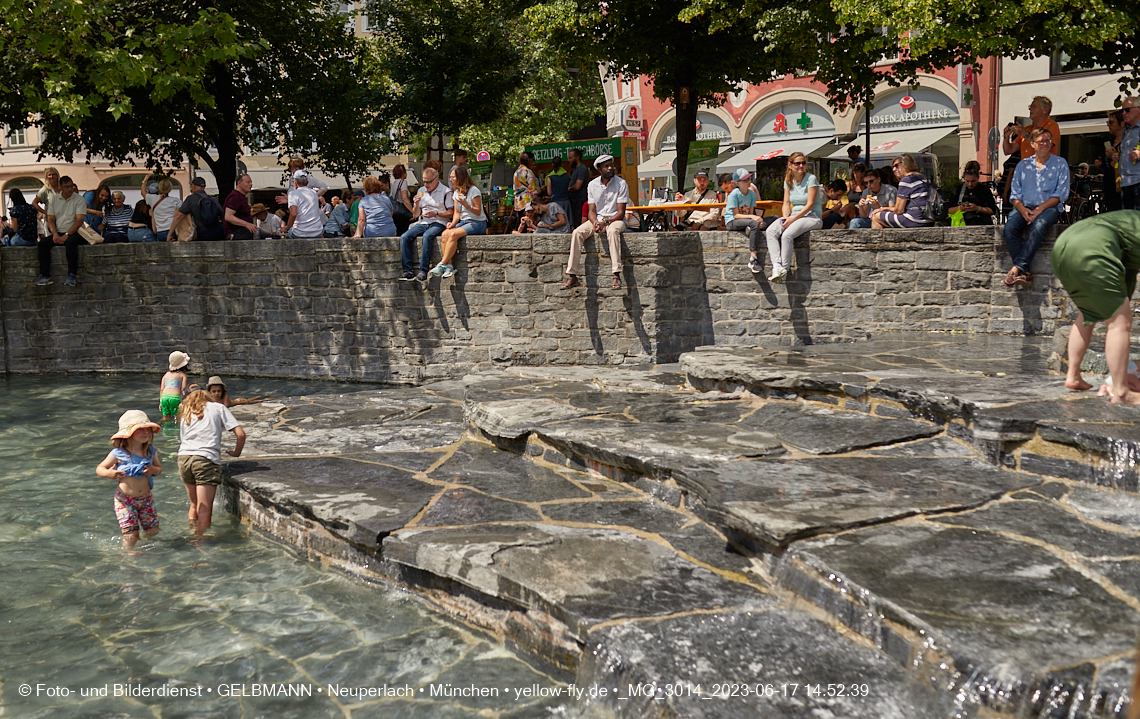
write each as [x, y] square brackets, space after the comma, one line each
[133, 511]
[196, 470]
[168, 404]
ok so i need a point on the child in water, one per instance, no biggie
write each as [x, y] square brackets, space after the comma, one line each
[201, 424]
[173, 385]
[133, 462]
[217, 389]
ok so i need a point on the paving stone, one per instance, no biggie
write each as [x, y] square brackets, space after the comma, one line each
[457, 507]
[937, 447]
[657, 449]
[819, 430]
[515, 418]
[778, 501]
[412, 461]
[509, 476]
[580, 576]
[361, 502]
[663, 378]
[731, 655]
[960, 395]
[1012, 614]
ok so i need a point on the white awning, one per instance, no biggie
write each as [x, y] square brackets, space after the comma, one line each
[659, 166]
[271, 179]
[771, 150]
[1094, 126]
[898, 141]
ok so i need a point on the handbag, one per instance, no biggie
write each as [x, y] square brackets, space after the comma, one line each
[401, 212]
[89, 234]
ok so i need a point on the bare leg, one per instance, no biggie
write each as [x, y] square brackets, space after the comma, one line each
[1117, 345]
[192, 490]
[129, 539]
[205, 506]
[151, 532]
[1079, 338]
[449, 243]
[876, 223]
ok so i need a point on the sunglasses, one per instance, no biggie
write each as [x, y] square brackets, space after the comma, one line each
[797, 164]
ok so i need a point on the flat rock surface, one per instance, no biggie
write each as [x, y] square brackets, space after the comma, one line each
[777, 501]
[822, 430]
[766, 662]
[584, 576]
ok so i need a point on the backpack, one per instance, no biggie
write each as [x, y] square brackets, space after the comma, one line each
[936, 206]
[209, 219]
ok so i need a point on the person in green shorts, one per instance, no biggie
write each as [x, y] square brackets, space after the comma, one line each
[1097, 260]
[174, 385]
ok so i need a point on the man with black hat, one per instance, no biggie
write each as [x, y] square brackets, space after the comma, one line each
[701, 194]
[205, 211]
[608, 196]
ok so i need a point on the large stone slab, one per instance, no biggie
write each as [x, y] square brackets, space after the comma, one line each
[662, 378]
[771, 662]
[505, 475]
[822, 430]
[580, 576]
[361, 502]
[1014, 616]
[458, 507]
[779, 501]
[515, 418]
[658, 449]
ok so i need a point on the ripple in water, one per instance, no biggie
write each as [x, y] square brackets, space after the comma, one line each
[232, 615]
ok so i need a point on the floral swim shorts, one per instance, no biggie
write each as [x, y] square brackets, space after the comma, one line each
[131, 511]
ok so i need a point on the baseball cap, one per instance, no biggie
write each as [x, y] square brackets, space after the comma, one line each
[198, 182]
[702, 173]
[299, 174]
[741, 174]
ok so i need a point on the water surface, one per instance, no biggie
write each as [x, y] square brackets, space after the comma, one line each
[233, 615]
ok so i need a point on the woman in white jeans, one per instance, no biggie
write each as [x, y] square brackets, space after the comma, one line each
[802, 211]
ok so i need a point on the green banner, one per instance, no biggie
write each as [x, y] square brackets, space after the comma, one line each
[590, 149]
[702, 156]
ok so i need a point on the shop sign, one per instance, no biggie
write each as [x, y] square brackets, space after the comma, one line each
[792, 119]
[590, 149]
[709, 127]
[967, 86]
[906, 109]
[631, 117]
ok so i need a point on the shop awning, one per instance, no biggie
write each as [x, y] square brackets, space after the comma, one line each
[1094, 126]
[893, 143]
[771, 150]
[273, 178]
[659, 166]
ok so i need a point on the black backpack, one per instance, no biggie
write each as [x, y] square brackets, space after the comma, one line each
[936, 206]
[209, 219]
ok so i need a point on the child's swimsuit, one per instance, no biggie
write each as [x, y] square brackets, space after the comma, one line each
[133, 511]
[171, 396]
[133, 465]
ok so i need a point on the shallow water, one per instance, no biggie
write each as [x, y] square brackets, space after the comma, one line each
[223, 621]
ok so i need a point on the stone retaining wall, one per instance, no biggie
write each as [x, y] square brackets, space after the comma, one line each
[333, 308]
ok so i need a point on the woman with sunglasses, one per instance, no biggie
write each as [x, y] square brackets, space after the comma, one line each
[802, 212]
[912, 198]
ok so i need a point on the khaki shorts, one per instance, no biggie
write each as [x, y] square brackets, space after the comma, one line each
[193, 469]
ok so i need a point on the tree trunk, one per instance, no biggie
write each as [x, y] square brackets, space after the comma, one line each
[686, 131]
[225, 120]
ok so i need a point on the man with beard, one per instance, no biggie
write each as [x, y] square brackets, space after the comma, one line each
[608, 197]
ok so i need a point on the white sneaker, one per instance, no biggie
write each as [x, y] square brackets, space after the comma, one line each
[779, 275]
[438, 270]
[448, 271]
[775, 274]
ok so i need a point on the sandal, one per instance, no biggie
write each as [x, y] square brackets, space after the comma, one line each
[1025, 279]
[571, 283]
[617, 283]
[1011, 277]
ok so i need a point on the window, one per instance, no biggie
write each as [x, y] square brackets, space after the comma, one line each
[16, 138]
[1062, 64]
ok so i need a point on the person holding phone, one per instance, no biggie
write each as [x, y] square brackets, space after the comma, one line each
[975, 200]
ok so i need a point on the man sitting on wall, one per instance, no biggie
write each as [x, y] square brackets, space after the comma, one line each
[608, 196]
[838, 211]
[700, 194]
[975, 200]
[876, 194]
[1040, 185]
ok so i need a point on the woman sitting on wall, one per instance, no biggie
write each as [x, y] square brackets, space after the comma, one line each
[913, 193]
[471, 221]
[802, 211]
[374, 218]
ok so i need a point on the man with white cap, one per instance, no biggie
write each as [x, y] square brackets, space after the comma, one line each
[607, 196]
[305, 217]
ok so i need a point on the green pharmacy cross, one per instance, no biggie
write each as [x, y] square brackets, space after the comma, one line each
[805, 120]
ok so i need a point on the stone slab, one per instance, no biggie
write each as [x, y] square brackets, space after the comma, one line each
[779, 501]
[581, 576]
[361, 502]
[821, 430]
[936, 447]
[757, 663]
[460, 507]
[515, 418]
[508, 476]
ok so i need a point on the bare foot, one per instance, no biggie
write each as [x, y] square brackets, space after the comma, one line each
[1126, 398]
[1077, 385]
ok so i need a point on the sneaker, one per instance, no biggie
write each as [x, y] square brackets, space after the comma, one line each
[70, 281]
[778, 275]
[448, 271]
[438, 270]
[421, 276]
[755, 266]
[44, 281]
[407, 277]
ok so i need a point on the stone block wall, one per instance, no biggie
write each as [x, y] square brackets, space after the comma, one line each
[849, 282]
[334, 308]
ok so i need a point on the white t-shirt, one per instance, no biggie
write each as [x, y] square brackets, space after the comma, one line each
[464, 213]
[310, 220]
[271, 224]
[438, 201]
[203, 436]
[608, 197]
[164, 212]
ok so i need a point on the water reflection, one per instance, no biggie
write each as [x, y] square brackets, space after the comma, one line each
[173, 616]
